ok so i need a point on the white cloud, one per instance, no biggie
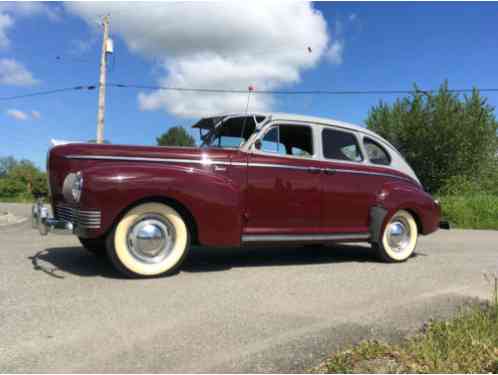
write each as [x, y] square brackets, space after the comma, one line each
[17, 114]
[6, 21]
[31, 8]
[335, 51]
[14, 73]
[222, 45]
[9, 10]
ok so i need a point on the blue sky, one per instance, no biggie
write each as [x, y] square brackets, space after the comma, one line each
[377, 46]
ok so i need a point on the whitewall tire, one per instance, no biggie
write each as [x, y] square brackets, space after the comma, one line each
[399, 238]
[151, 239]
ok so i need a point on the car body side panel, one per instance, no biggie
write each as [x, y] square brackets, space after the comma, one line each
[283, 195]
[207, 191]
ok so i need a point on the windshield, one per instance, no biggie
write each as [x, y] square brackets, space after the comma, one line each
[232, 133]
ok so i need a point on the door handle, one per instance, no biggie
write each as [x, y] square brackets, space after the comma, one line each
[218, 168]
[329, 170]
[313, 170]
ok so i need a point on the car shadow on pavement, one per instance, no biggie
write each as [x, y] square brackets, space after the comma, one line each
[219, 259]
[57, 261]
[76, 260]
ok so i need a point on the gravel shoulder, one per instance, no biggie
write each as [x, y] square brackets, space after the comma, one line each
[227, 310]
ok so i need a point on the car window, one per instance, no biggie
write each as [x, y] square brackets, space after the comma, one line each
[230, 134]
[340, 145]
[376, 153]
[295, 140]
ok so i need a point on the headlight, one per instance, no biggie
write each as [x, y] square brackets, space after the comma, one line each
[77, 187]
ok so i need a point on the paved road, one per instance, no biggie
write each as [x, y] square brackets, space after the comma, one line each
[280, 309]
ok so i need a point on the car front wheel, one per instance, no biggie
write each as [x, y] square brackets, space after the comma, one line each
[399, 238]
[151, 239]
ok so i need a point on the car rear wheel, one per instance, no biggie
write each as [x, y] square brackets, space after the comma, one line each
[151, 239]
[399, 238]
[94, 245]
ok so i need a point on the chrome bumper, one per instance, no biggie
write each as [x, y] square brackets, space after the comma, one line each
[41, 220]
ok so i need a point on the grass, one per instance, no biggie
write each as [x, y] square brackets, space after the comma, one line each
[18, 199]
[467, 343]
[471, 210]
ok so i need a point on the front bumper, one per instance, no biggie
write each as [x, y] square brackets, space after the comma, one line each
[41, 220]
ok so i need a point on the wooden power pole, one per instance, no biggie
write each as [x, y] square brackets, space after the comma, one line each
[103, 70]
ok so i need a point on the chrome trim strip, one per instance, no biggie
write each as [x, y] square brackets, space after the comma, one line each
[240, 164]
[157, 160]
[283, 166]
[304, 237]
[353, 171]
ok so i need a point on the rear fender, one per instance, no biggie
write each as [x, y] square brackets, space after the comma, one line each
[396, 196]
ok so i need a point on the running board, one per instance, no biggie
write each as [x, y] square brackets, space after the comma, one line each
[304, 237]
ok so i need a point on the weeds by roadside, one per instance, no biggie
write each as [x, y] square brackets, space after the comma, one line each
[467, 343]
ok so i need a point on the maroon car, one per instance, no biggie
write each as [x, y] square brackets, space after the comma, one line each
[256, 179]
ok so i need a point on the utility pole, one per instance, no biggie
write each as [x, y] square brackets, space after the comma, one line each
[103, 70]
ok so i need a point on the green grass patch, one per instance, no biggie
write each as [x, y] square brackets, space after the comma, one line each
[477, 210]
[18, 199]
[467, 343]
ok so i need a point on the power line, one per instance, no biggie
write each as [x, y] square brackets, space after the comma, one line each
[239, 91]
[292, 92]
[49, 92]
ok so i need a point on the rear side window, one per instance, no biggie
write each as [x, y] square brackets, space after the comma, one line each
[340, 145]
[376, 153]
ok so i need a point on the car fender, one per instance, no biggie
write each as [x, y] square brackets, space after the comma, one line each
[212, 199]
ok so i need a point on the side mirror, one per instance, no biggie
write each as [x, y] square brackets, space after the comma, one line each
[258, 144]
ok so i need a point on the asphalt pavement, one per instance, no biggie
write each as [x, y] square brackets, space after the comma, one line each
[227, 310]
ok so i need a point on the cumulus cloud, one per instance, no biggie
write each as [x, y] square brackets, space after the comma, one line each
[17, 115]
[10, 10]
[14, 73]
[334, 52]
[31, 8]
[221, 45]
[6, 22]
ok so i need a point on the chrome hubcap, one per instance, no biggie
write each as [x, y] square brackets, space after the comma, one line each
[398, 234]
[151, 238]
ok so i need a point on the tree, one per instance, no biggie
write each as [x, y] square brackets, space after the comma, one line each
[6, 164]
[176, 136]
[21, 179]
[441, 135]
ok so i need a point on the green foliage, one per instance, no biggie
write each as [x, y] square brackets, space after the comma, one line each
[21, 180]
[467, 343]
[176, 136]
[440, 135]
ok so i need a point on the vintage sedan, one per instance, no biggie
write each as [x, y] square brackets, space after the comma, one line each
[257, 179]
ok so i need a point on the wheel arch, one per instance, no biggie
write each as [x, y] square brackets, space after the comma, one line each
[173, 203]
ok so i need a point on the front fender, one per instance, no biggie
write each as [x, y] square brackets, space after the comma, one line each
[212, 199]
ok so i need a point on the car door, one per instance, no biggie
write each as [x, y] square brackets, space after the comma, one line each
[348, 189]
[283, 189]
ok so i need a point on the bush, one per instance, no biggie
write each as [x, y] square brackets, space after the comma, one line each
[441, 136]
[474, 210]
[21, 180]
[11, 188]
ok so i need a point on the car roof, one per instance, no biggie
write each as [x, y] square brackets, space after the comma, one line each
[282, 116]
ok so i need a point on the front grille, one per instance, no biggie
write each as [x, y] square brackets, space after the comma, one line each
[79, 218]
